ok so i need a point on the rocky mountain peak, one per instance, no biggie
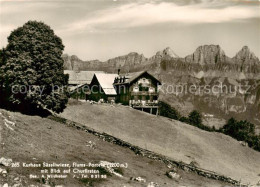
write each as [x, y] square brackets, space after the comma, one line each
[207, 54]
[134, 54]
[126, 61]
[167, 52]
[245, 55]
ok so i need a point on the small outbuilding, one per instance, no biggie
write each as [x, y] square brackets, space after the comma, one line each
[102, 87]
[79, 82]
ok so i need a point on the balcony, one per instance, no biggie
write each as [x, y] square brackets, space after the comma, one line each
[143, 103]
[143, 93]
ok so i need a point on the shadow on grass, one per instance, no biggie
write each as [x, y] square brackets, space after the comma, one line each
[25, 109]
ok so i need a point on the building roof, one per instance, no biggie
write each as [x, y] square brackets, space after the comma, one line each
[80, 77]
[130, 77]
[106, 81]
[73, 88]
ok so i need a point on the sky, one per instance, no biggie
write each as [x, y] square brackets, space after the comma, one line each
[103, 29]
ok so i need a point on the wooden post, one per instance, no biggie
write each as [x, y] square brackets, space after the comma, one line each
[142, 109]
[156, 111]
[151, 110]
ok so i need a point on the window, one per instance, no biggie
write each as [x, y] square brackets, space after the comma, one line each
[145, 89]
[151, 89]
[136, 89]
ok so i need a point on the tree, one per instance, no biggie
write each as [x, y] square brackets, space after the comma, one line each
[241, 130]
[33, 75]
[195, 118]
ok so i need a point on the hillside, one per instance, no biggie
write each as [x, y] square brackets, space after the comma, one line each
[179, 141]
[32, 139]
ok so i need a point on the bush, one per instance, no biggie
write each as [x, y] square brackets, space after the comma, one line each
[167, 110]
[242, 131]
[184, 119]
[254, 142]
[195, 118]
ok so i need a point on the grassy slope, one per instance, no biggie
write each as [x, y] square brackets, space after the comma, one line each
[212, 151]
[37, 139]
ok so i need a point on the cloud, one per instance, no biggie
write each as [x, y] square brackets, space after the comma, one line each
[144, 14]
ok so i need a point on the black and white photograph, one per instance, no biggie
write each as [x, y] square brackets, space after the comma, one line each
[129, 93]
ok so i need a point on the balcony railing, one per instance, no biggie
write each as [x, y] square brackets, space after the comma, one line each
[143, 103]
[144, 93]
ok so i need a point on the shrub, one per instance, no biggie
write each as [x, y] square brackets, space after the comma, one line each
[195, 118]
[184, 119]
[242, 131]
[167, 110]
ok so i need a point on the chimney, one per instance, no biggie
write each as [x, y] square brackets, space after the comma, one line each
[118, 71]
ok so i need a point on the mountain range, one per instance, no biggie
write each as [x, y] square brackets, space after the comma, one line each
[206, 58]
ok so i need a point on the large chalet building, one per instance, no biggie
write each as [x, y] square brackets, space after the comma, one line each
[138, 90]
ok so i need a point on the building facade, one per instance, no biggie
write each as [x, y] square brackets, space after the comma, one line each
[138, 90]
